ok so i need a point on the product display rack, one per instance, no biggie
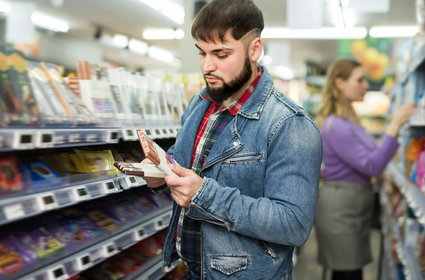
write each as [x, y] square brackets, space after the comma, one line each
[414, 197]
[393, 224]
[34, 138]
[81, 188]
[403, 207]
[95, 253]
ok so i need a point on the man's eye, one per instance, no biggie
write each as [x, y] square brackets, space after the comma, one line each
[202, 54]
[222, 55]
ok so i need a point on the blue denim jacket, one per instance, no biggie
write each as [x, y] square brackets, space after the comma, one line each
[259, 193]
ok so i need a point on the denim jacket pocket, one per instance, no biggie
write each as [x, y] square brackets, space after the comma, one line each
[244, 158]
[229, 264]
[269, 249]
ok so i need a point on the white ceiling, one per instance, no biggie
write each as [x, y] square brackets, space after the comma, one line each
[131, 17]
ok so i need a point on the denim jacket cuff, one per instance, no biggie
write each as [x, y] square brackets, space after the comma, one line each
[204, 180]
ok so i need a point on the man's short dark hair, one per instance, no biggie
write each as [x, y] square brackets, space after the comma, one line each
[217, 17]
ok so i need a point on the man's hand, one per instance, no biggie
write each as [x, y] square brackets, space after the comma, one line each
[152, 182]
[183, 187]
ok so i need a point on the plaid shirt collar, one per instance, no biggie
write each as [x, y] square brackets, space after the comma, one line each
[234, 107]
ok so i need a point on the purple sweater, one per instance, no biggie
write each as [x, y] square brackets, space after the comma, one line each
[351, 154]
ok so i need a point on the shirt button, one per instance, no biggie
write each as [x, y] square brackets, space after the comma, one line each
[235, 143]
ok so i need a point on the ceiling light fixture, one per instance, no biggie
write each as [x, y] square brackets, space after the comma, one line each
[169, 9]
[120, 41]
[138, 46]
[319, 33]
[393, 31]
[48, 22]
[4, 8]
[163, 34]
[160, 54]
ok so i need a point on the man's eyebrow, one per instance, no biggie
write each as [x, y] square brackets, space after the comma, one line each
[215, 50]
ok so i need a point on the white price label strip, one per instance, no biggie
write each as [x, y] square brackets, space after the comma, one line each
[80, 193]
[47, 202]
[57, 273]
[74, 138]
[59, 139]
[110, 249]
[14, 211]
[91, 138]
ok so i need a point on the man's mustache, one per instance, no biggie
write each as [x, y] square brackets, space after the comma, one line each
[209, 75]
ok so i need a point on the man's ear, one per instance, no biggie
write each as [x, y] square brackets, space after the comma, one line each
[256, 49]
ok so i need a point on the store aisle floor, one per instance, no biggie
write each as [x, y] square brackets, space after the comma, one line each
[307, 268]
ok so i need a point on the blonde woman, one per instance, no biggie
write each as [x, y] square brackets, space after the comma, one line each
[350, 158]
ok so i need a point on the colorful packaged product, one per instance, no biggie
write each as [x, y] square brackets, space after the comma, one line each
[11, 180]
[39, 175]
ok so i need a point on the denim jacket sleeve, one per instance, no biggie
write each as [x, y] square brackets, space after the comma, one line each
[284, 214]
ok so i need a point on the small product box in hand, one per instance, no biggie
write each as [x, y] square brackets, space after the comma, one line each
[160, 159]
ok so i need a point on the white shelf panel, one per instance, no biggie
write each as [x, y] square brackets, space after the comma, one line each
[414, 197]
[417, 119]
[408, 258]
[417, 58]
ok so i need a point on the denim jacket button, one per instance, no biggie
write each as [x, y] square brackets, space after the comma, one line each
[235, 143]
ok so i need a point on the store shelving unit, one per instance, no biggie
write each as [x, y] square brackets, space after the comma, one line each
[392, 226]
[34, 138]
[414, 197]
[402, 232]
[418, 58]
[81, 188]
[99, 251]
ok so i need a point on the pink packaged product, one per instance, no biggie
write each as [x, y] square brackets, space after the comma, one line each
[420, 170]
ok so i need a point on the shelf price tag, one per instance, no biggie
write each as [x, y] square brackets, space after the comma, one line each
[14, 211]
[108, 187]
[139, 234]
[112, 136]
[91, 138]
[23, 140]
[148, 132]
[83, 262]
[44, 139]
[129, 134]
[74, 138]
[131, 181]
[80, 193]
[157, 133]
[57, 273]
[159, 224]
[59, 139]
[109, 250]
[46, 201]
[2, 142]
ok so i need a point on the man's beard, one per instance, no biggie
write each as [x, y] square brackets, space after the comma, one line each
[220, 94]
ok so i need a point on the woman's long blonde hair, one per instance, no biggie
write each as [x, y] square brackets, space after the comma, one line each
[333, 101]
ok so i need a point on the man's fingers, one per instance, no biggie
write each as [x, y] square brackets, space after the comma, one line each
[180, 170]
